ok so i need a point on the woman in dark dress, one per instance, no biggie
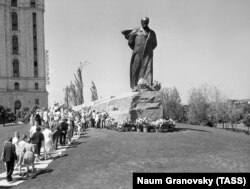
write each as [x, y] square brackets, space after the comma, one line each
[37, 139]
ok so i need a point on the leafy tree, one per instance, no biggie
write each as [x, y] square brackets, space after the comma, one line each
[3, 115]
[73, 94]
[93, 89]
[172, 104]
[66, 96]
[246, 108]
[218, 107]
[79, 85]
[183, 114]
[198, 103]
[246, 121]
[223, 113]
[6, 115]
[235, 115]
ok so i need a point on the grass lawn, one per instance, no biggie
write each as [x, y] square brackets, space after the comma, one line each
[107, 159]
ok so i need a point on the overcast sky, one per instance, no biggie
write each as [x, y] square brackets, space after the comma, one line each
[199, 42]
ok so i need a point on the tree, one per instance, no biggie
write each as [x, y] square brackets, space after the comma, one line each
[198, 103]
[3, 115]
[79, 85]
[246, 108]
[171, 104]
[73, 94]
[66, 96]
[183, 114]
[246, 121]
[93, 89]
[223, 113]
[235, 115]
[6, 115]
[218, 108]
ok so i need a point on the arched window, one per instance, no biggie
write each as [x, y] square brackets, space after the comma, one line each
[15, 45]
[14, 3]
[16, 86]
[14, 21]
[18, 105]
[32, 3]
[36, 86]
[15, 68]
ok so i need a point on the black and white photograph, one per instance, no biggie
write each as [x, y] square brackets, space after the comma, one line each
[94, 92]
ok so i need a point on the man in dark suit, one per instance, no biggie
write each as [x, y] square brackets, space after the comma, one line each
[64, 129]
[9, 157]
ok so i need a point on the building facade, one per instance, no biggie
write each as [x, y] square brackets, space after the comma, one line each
[22, 54]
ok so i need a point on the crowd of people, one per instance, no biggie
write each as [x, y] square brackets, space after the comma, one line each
[49, 128]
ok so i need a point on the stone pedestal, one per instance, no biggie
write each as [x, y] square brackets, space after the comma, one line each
[133, 105]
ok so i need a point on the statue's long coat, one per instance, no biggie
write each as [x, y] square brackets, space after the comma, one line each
[141, 65]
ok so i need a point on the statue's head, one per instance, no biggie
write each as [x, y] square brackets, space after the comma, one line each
[144, 22]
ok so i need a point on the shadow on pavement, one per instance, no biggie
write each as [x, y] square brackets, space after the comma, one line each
[41, 172]
[60, 156]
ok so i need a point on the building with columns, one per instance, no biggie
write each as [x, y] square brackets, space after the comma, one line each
[22, 54]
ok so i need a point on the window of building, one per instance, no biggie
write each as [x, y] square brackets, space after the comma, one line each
[15, 45]
[35, 52]
[35, 43]
[37, 101]
[15, 68]
[14, 3]
[33, 3]
[14, 21]
[16, 86]
[35, 69]
[35, 73]
[34, 18]
[36, 86]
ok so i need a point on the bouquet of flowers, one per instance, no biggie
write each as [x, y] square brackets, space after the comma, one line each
[110, 123]
[170, 124]
[164, 124]
[143, 84]
[159, 123]
[143, 122]
[125, 125]
[157, 85]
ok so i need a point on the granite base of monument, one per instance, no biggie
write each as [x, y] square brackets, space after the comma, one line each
[133, 105]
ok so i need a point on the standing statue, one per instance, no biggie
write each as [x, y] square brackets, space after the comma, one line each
[142, 41]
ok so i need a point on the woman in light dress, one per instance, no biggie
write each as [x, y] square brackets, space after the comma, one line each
[20, 152]
[29, 156]
[15, 141]
[15, 138]
[78, 126]
[47, 133]
[45, 116]
[70, 131]
[83, 121]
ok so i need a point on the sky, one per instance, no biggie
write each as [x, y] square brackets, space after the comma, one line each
[200, 42]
